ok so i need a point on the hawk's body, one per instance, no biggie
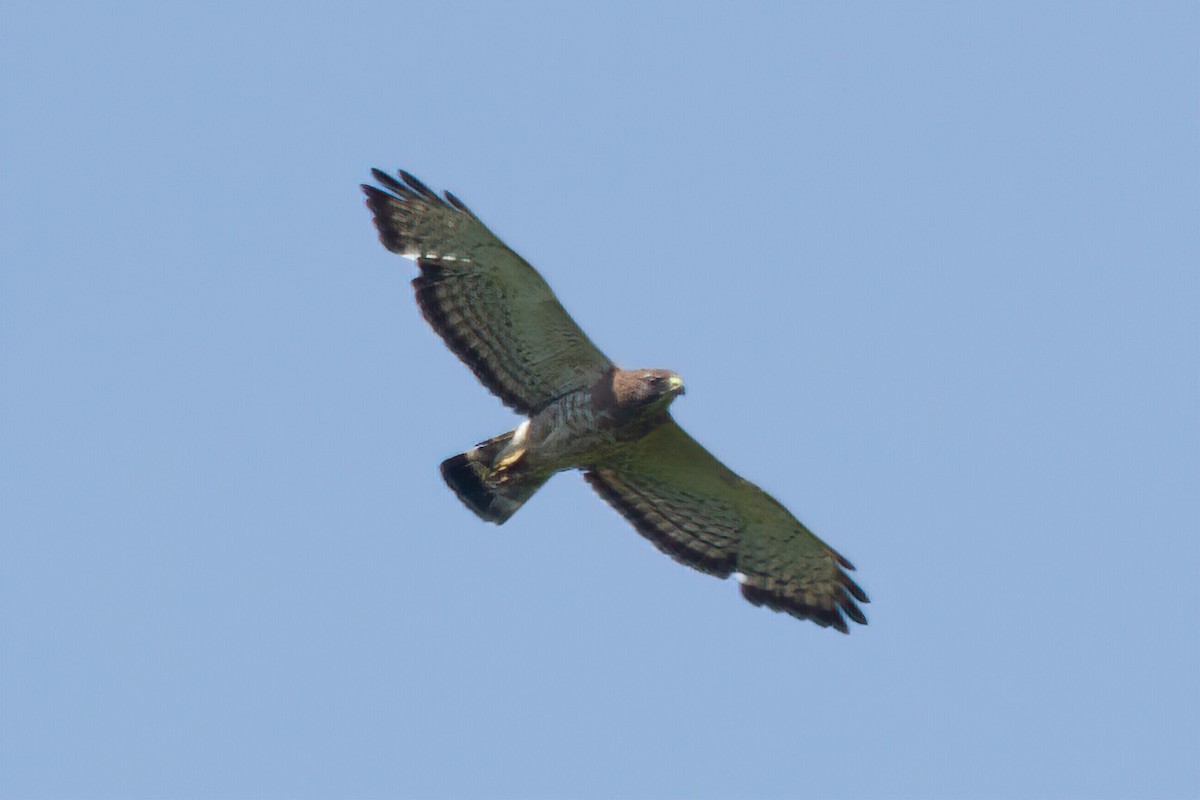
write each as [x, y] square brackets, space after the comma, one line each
[501, 318]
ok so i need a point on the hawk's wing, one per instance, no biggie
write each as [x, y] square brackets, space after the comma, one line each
[491, 308]
[699, 512]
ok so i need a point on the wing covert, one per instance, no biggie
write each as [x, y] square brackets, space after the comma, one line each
[493, 310]
[701, 513]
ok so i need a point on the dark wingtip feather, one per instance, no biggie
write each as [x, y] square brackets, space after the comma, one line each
[420, 188]
[459, 204]
[855, 590]
[409, 188]
[852, 611]
[390, 182]
[396, 204]
[372, 194]
[825, 617]
[379, 202]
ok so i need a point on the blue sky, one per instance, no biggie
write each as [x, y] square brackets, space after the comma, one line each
[929, 270]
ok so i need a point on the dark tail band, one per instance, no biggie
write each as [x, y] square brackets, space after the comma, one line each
[472, 476]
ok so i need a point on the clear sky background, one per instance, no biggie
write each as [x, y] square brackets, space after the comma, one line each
[931, 271]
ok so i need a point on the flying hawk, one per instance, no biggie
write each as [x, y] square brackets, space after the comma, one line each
[582, 412]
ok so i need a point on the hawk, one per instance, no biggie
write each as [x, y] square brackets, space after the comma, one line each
[583, 412]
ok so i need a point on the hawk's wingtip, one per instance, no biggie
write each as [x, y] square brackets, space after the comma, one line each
[419, 188]
[459, 204]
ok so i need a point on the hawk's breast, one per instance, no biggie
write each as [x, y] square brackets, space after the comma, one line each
[569, 430]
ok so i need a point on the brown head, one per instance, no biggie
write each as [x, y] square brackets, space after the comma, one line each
[646, 390]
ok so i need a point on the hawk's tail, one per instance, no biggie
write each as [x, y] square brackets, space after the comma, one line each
[492, 492]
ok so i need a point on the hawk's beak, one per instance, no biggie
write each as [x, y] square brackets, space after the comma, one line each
[676, 384]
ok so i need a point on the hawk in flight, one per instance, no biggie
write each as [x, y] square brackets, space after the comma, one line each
[583, 412]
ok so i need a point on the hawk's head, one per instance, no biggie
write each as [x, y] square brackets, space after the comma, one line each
[647, 389]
